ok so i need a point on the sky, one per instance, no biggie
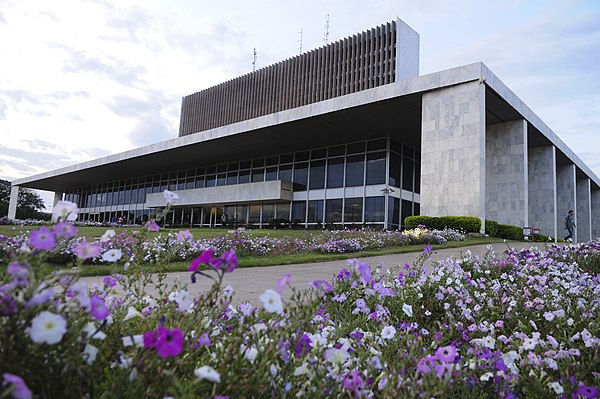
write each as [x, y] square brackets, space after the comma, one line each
[82, 79]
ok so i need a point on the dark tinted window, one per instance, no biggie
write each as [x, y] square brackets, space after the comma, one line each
[333, 211]
[335, 172]
[353, 210]
[355, 169]
[317, 175]
[374, 209]
[300, 176]
[376, 168]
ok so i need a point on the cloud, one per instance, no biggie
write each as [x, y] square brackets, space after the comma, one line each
[152, 129]
[3, 109]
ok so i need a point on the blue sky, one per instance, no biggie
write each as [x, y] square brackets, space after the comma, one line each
[80, 79]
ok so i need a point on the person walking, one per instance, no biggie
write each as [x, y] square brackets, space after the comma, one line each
[570, 225]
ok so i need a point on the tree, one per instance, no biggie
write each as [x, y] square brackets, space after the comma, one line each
[29, 204]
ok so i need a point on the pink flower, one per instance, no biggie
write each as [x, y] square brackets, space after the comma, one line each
[64, 229]
[18, 386]
[228, 261]
[99, 310]
[42, 239]
[85, 250]
[166, 342]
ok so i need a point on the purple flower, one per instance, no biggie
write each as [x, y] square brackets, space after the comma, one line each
[427, 249]
[152, 226]
[203, 259]
[7, 305]
[303, 345]
[184, 235]
[352, 380]
[204, 340]
[150, 338]
[228, 261]
[109, 281]
[282, 282]
[588, 392]
[18, 386]
[344, 274]
[42, 238]
[19, 273]
[365, 272]
[446, 354]
[85, 250]
[41, 298]
[99, 310]
[168, 342]
[322, 286]
[65, 230]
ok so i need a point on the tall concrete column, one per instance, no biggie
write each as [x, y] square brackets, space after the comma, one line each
[506, 173]
[542, 190]
[12, 205]
[583, 216]
[595, 213]
[453, 151]
[565, 196]
[58, 196]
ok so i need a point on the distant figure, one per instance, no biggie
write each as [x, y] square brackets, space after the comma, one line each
[570, 225]
[224, 219]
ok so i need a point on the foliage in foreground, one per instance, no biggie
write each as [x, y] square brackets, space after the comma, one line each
[524, 325]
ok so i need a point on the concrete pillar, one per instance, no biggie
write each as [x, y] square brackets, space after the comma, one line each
[583, 216]
[565, 196]
[58, 196]
[12, 205]
[453, 151]
[542, 190]
[506, 173]
[595, 197]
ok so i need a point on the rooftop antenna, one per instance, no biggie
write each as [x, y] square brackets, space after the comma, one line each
[301, 30]
[326, 39]
[254, 62]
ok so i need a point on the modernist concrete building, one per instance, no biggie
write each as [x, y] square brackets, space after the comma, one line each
[347, 134]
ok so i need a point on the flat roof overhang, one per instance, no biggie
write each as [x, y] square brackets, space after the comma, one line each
[391, 110]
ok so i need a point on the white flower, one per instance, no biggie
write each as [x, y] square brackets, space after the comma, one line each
[251, 354]
[407, 309]
[135, 340]
[228, 291]
[334, 355]
[301, 370]
[486, 376]
[207, 373]
[388, 332]
[131, 313]
[108, 234]
[529, 344]
[47, 327]
[587, 338]
[549, 316]
[89, 353]
[112, 255]
[64, 210]
[557, 388]
[170, 196]
[271, 301]
[91, 330]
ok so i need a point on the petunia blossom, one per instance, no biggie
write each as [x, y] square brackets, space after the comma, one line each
[207, 373]
[48, 327]
[42, 239]
[64, 211]
[20, 390]
[271, 301]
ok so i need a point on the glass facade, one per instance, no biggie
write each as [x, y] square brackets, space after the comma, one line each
[373, 183]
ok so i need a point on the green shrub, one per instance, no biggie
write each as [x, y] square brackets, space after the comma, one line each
[510, 232]
[491, 228]
[469, 224]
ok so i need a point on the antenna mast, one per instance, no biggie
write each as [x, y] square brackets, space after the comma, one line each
[254, 62]
[326, 39]
[301, 30]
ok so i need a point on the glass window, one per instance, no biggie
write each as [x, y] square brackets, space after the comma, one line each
[406, 210]
[258, 175]
[318, 154]
[233, 166]
[353, 210]
[300, 176]
[222, 168]
[356, 148]
[418, 177]
[241, 215]
[232, 178]
[189, 183]
[298, 212]
[256, 163]
[199, 182]
[268, 213]
[393, 212]
[408, 151]
[285, 172]
[337, 151]
[210, 169]
[272, 160]
[245, 164]
[394, 179]
[380, 144]
[317, 175]
[254, 214]
[315, 211]
[333, 210]
[355, 169]
[283, 213]
[211, 181]
[407, 174]
[376, 168]
[302, 156]
[221, 179]
[286, 158]
[374, 209]
[271, 173]
[335, 172]
[244, 177]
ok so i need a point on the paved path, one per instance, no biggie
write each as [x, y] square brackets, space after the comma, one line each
[249, 283]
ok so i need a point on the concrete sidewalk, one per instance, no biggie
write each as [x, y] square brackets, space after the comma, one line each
[249, 283]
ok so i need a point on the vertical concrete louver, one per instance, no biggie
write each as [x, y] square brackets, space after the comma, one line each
[356, 63]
